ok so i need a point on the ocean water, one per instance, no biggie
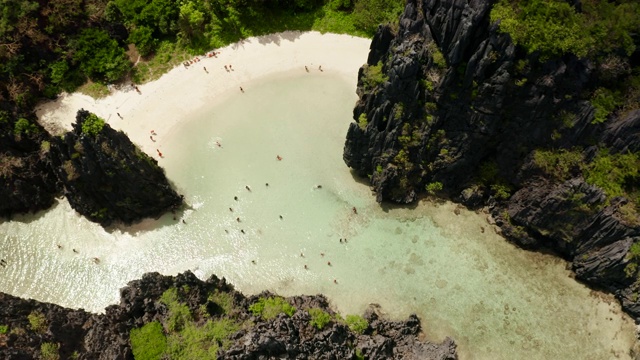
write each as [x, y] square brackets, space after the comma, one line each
[300, 235]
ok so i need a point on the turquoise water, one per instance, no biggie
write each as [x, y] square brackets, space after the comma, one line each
[497, 301]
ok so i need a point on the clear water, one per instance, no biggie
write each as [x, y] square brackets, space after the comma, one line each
[497, 301]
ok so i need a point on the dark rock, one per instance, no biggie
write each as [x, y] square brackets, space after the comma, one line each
[107, 178]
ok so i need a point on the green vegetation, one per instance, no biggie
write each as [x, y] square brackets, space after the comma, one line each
[92, 125]
[362, 121]
[319, 318]
[616, 174]
[357, 323]
[179, 314]
[373, 76]
[554, 27]
[49, 351]
[37, 321]
[200, 342]
[604, 101]
[434, 187]
[23, 126]
[436, 55]
[148, 342]
[224, 300]
[560, 164]
[269, 308]
[501, 191]
[4, 329]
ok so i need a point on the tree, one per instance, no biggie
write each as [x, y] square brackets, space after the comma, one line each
[100, 57]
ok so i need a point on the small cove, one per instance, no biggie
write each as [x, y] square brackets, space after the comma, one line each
[497, 301]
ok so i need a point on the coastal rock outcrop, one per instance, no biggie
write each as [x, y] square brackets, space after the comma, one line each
[29, 183]
[173, 311]
[106, 177]
[449, 105]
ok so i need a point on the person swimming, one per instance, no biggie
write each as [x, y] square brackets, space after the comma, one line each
[279, 157]
[247, 187]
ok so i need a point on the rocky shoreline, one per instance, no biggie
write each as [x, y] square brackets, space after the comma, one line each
[31, 329]
[450, 106]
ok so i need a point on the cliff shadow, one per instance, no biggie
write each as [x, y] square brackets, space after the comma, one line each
[169, 218]
[28, 218]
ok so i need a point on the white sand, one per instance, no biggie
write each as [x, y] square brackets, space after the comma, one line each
[182, 91]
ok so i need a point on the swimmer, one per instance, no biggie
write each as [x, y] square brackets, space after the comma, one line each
[266, 184]
[235, 198]
[59, 246]
[320, 68]
[247, 187]
[306, 68]
[242, 231]
[329, 263]
[226, 231]
[322, 254]
[230, 209]
[306, 267]
[253, 262]
[238, 219]
[279, 157]
[335, 281]
[345, 240]
[151, 137]
[120, 116]
[231, 67]
[318, 186]
[205, 69]
[184, 222]
[218, 143]
[301, 255]
[280, 217]
[226, 68]
[340, 240]
[355, 211]
[153, 132]
[95, 260]
[241, 89]
[75, 251]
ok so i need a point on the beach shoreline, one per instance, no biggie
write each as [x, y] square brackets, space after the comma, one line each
[161, 104]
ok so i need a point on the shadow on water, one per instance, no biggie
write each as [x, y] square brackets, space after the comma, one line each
[170, 218]
[28, 218]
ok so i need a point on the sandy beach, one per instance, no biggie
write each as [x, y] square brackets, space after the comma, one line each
[161, 104]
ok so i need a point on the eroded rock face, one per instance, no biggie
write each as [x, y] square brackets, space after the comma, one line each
[456, 103]
[28, 182]
[107, 178]
[106, 336]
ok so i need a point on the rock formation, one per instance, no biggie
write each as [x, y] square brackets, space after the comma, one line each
[449, 105]
[30, 329]
[106, 177]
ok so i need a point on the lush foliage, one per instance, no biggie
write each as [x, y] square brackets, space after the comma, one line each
[604, 101]
[4, 329]
[201, 342]
[269, 308]
[37, 321]
[179, 314]
[616, 174]
[23, 126]
[362, 121]
[49, 351]
[554, 27]
[434, 187]
[373, 76]
[92, 125]
[319, 318]
[148, 342]
[357, 323]
[560, 164]
[99, 55]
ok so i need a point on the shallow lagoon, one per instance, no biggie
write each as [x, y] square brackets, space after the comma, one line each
[497, 301]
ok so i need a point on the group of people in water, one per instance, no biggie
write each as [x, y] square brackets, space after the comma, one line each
[306, 267]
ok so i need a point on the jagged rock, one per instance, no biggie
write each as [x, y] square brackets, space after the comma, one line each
[461, 105]
[107, 178]
[106, 336]
[29, 183]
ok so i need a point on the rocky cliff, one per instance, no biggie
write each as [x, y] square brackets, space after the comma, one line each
[184, 317]
[102, 173]
[28, 182]
[449, 105]
[106, 177]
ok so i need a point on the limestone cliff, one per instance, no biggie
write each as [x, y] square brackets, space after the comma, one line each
[449, 105]
[106, 177]
[184, 317]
